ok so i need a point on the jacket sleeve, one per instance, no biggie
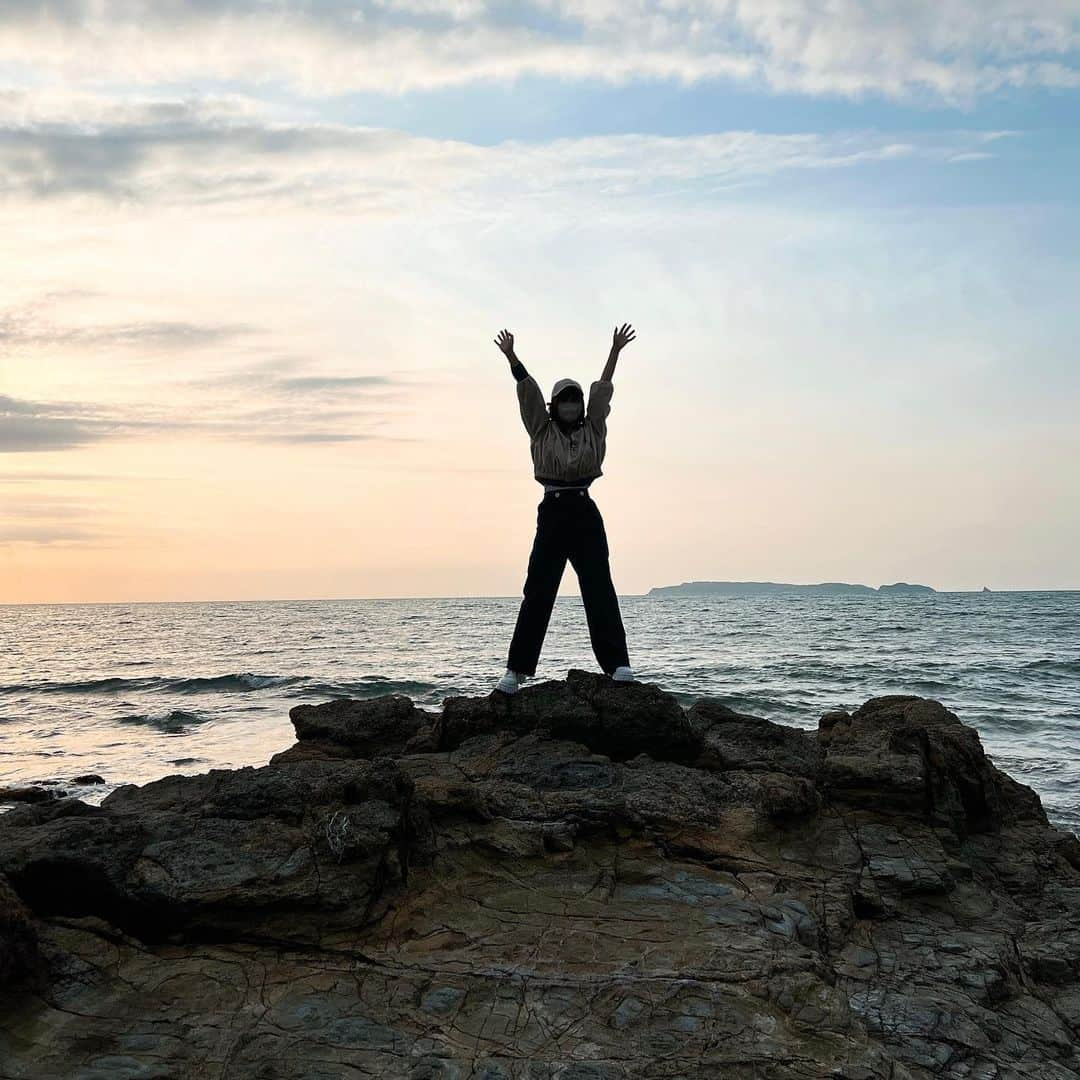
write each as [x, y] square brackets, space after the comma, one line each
[534, 413]
[599, 404]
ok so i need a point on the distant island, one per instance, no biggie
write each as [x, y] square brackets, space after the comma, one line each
[755, 588]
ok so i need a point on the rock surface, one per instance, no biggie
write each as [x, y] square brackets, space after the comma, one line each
[580, 882]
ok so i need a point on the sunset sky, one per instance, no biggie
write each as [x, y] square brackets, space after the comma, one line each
[254, 256]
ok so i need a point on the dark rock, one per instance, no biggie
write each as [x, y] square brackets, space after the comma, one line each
[314, 750]
[733, 740]
[18, 938]
[543, 706]
[631, 719]
[279, 852]
[365, 727]
[39, 812]
[579, 880]
[620, 720]
[1050, 950]
[910, 754]
[28, 793]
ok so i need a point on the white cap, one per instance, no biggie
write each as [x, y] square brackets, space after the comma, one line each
[562, 384]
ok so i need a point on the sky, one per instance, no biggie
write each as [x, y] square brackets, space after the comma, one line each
[255, 255]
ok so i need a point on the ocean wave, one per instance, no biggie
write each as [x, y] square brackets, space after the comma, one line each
[174, 722]
[77, 686]
[242, 682]
[238, 681]
[245, 680]
[367, 685]
[1056, 667]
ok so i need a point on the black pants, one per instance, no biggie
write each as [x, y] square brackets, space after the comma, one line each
[569, 526]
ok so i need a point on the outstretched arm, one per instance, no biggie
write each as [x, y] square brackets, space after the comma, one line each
[623, 336]
[505, 341]
[534, 412]
[600, 392]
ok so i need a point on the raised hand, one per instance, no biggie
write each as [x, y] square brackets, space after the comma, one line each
[505, 341]
[622, 337]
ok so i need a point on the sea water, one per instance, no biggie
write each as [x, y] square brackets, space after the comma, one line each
[135, 691]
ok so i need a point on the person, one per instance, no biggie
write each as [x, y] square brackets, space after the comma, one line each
[568, 443]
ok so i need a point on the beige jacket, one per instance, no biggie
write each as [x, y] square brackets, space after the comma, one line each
[577, 456]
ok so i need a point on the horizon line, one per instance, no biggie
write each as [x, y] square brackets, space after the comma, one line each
[511, 596]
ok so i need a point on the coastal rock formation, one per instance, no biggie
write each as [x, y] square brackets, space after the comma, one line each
[582, 881]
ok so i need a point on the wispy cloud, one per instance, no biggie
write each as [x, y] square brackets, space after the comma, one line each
[27, 426]
[16, 532]
[168, 335]
[302, 417]
[275, 399]
[35, 518]
[319, 383]
[27, 476]
[35, 324]
[193, 154]
[948, 50]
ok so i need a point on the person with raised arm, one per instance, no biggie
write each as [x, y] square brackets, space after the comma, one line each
[567, 440]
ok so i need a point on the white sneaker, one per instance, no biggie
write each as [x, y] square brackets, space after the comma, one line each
[623, 674]
[510, 682]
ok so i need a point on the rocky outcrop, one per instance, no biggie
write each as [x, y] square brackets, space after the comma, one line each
[19, 959]
[584, 880]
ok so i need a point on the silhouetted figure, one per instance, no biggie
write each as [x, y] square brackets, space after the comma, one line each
[567, 441]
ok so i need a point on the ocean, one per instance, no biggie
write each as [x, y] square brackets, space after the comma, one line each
[136, 691]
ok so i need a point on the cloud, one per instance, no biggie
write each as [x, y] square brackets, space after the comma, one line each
[34, 426]
[15, 532]
[167, 335]
[193, 154]
[32, 477]
[36, 518]
[315, 437]
[947, 50]
[37, 426]
[299, 414]
[317, 383]
[301, 406]
[32, 325]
